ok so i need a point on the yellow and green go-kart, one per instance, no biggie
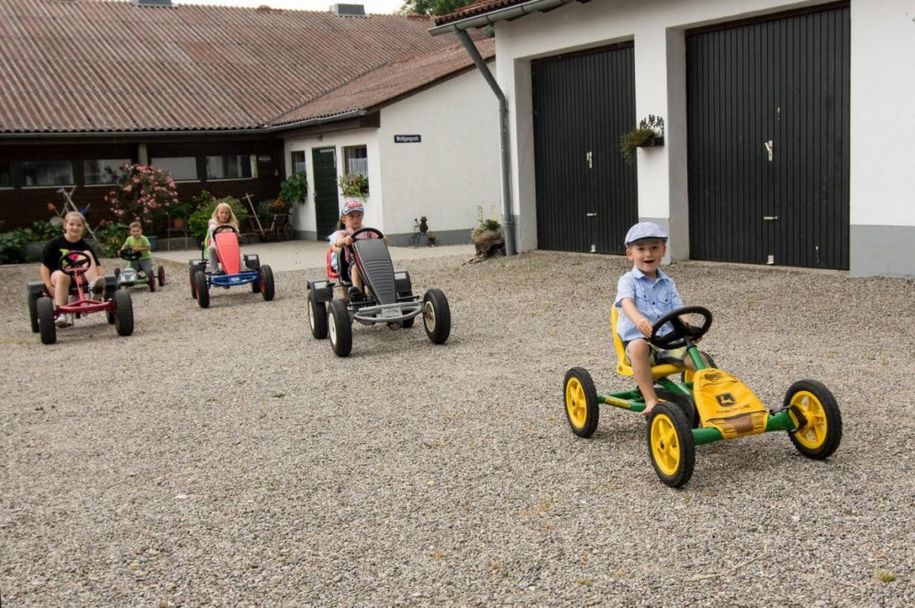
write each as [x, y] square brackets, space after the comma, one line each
[706, 405]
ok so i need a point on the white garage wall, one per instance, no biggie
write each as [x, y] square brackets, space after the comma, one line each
[882, 123]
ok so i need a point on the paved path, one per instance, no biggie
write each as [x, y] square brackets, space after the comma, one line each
[296, 255]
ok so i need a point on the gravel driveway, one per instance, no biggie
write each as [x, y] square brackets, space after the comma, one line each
[224, 457]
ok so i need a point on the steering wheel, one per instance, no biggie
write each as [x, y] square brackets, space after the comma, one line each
[224, 228]
[75, 262]
[130, 254]
[681, 334]
[367, 230]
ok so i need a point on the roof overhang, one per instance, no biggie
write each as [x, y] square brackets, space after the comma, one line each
[502, 14]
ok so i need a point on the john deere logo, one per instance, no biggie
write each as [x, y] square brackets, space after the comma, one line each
[726, 400]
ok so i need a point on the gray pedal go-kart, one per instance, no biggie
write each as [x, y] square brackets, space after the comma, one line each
[387, 297]
[130, 276]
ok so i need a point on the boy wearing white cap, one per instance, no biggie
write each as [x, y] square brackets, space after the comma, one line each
[645, 294]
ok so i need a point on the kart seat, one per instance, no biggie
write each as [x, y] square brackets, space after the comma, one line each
[377, 269]
[342, 271]
[622, 361]
[227, 251]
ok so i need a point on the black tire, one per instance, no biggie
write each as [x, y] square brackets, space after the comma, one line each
[687, 375]
[123, 312]
[256, 285]
[821, 432]
[46, 327]
[117, 273]
[33, 311]
[670, 445]
[190, 274]
[582, 408]
[265, 274]
[160, 275]
[436, 316]
[686, 404]
[317, 316]
[151, 282]
[340, 328]
[109, 316]
[201, 289]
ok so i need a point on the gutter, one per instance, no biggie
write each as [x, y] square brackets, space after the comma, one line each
[502, 14]
[508, 218]
[261, 130]
[460, 28]
[309, 122]
[126, 134]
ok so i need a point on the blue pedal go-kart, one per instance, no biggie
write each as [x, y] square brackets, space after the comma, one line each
[386, 297]
[230, 273]
[131, 276]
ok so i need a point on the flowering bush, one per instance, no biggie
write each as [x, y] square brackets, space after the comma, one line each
[142, 193]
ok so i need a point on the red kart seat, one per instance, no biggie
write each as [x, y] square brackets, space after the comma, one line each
[329, 264]
[227, 251]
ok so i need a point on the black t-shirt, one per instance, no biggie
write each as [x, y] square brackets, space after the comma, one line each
[59, 246]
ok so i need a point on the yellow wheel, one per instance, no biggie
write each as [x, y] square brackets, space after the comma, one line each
[582, 409]
[819, 429]
[670, 445]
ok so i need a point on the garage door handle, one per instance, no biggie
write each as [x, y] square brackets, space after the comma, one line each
[770, 218]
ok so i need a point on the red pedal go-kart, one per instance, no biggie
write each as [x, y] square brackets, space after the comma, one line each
[707, 405]
[130, 276]
[387, 297]
[230, 273]
[116, 303]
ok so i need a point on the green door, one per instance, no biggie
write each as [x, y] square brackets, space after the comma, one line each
[326, 199]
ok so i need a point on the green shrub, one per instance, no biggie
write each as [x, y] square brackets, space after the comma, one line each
[44, 230]
[110, 238]
[205, 203]
[294, 189]
[12, 245]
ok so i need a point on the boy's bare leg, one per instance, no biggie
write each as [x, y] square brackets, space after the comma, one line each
[639, 356]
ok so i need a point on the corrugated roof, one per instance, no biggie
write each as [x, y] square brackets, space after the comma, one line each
[389, 83]
[103, 66]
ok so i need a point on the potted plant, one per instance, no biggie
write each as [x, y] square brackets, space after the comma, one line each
[178, 212]
[487, 236]
[650, 132]
[354, 185]
[294, 189]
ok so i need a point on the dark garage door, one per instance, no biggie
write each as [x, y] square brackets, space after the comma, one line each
[768, 140]
[586, 192]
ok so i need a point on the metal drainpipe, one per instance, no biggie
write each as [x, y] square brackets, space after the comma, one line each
[508, 220]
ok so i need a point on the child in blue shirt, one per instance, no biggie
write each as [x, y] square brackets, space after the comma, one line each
[645, 294]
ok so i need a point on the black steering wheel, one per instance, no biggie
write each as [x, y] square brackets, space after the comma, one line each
[681, 334]
[75, 262]
[367, 230]
[130, 255]
[224, 228]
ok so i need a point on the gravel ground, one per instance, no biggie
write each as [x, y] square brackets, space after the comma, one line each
[224, 457]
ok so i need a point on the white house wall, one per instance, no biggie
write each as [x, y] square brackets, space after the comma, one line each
[304, 215]
[453, 170]
[882, 124]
